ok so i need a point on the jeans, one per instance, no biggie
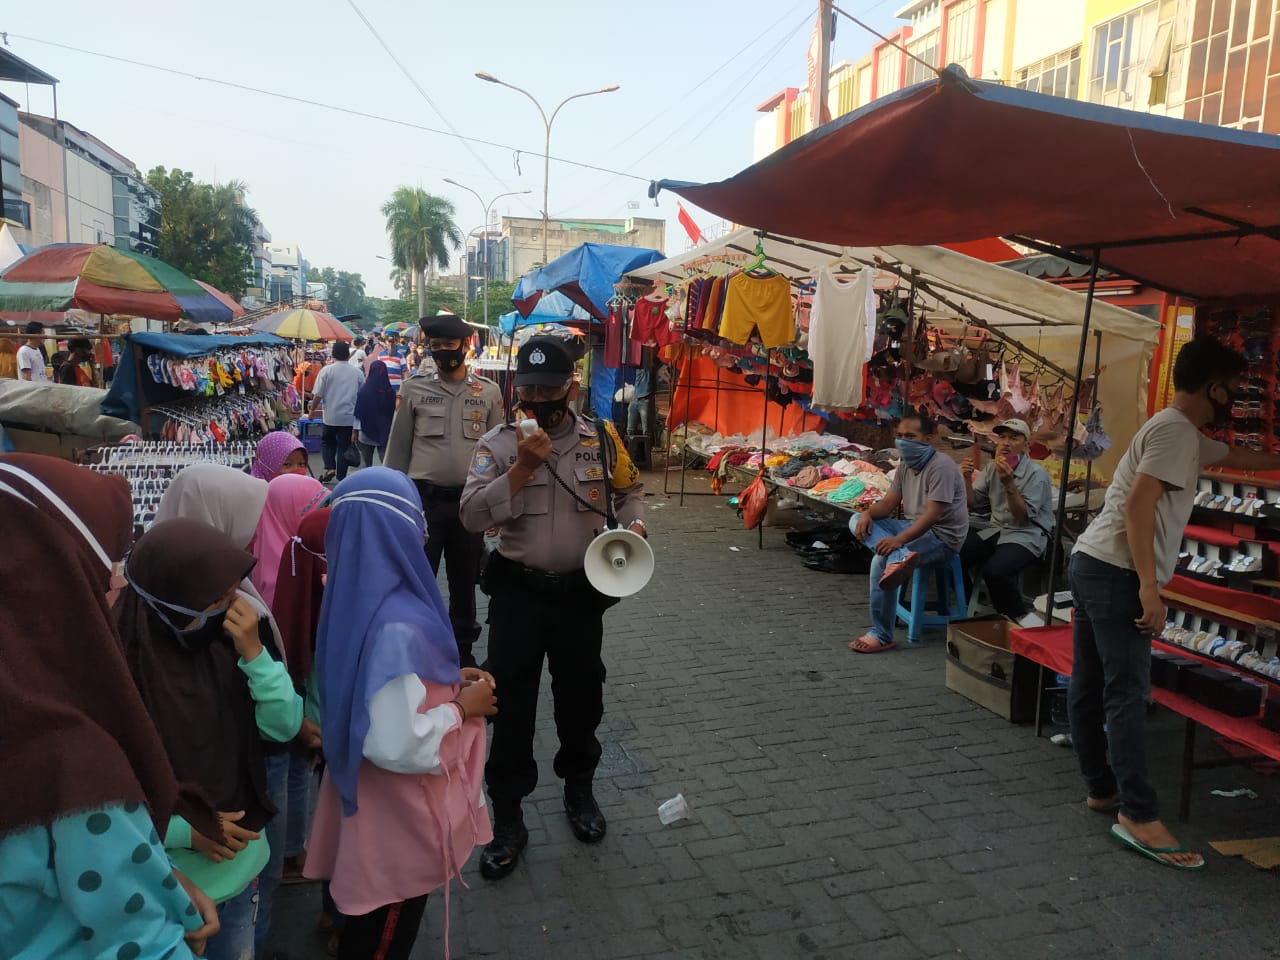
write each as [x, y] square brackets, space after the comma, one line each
[462, 552]
[333, 447]
[367, 450]
[299, 802]
[1110, 685]
[884, 603]
[1001, 566]
[638, 417]
[277, 766]
[237, 917]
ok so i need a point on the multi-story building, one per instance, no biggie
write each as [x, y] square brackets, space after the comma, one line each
[80, 190]
[486, 260]
[1216, 61]
[258, 292]
[288, 272]
[523, 238]
[15, 210]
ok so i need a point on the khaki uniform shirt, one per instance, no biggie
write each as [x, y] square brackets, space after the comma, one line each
[543, 526]
[437, 425]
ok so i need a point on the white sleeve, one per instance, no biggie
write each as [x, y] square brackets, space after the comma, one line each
[401, 739]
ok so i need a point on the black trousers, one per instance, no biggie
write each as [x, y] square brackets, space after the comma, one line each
[1001, 566]
[333, 448]
[524, 627]
[462, 552]
[387, 933]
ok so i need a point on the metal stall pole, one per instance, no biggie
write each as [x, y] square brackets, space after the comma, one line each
[1097, 365]
[684, 454]
[764, 450]
[1066, 471]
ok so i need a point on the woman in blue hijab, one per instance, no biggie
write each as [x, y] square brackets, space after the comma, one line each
[400, 806]
[375, 406]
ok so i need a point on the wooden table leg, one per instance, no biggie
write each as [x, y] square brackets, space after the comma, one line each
[1188, 764]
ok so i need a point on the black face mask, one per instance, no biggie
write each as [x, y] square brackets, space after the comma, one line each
[549, 413]
[448, 359]
[1221, 411]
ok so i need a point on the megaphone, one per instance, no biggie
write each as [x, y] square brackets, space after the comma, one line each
[619, 563]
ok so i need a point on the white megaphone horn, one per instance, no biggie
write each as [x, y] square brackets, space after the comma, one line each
[619, 563]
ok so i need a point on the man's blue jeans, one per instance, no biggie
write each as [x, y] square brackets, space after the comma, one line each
[237, 917]
[277, 767]
[884, 603]
[1110, 686]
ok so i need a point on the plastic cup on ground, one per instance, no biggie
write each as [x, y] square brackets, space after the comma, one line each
[677, 808]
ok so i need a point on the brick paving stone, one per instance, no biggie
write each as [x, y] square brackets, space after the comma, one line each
[842, 806]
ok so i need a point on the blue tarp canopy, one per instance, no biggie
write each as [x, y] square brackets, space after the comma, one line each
[586, 275]
[551, 308]
[1186, 207]
[123, 400]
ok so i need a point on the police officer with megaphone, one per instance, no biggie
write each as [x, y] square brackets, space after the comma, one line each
[550, 490]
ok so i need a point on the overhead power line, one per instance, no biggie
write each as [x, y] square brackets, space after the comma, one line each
[349, 111]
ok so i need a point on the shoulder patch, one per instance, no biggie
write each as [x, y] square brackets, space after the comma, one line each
[482, 461]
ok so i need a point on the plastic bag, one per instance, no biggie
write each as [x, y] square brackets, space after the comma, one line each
[754, 500]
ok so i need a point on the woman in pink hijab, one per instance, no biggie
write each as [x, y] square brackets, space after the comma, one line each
[278, 453]
[291, 497]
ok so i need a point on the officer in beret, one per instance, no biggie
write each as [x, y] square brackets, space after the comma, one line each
[439, 420]
[546, 493]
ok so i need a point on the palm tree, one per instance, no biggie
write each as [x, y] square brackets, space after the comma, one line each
[422, 231]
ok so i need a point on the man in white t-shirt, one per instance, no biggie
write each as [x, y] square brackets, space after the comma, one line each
[31, 358]
[358, 355]
[1117, 569]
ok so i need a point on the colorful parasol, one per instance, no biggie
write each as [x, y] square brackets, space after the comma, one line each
[100, 279]
[223, 298]
[303, 325]
[396, 326]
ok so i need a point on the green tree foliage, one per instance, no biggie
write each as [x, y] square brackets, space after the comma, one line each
[346, 289]
[206, 230]
[422, 232]
[500, 292]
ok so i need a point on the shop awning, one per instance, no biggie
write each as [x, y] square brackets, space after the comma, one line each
[1185, 207]
[586, 275]
[948, 282]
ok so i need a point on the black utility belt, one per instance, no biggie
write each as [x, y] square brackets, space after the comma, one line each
[436, 492]
[503, 571]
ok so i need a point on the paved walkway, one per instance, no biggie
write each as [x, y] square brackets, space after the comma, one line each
[844, 806]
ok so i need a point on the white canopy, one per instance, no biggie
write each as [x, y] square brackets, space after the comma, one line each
[1043, 317]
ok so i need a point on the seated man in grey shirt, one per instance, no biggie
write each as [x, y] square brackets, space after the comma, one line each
[1018, 495]
[931, 491]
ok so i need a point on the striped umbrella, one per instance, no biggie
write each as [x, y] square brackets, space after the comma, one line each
[396, 326]
[303, 325]
[223, 298]
[99, 279]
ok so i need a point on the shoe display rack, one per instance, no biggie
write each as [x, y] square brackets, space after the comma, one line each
[1250, 331]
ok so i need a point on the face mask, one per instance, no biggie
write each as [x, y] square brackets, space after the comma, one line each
[549, 413]
[185, 634]
[449, 359]
[914, 453]
[1221, 411]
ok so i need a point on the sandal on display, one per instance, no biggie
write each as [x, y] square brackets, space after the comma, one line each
[1158, 854]
[870, 643]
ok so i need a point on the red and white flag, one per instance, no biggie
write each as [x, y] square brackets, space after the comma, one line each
[686, 221]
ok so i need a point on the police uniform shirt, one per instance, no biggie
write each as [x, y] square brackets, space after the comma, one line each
[543, 526]
[437, 425]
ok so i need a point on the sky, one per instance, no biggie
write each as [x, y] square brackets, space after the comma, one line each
[690, 72]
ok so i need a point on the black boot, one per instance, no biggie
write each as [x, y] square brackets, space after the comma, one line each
[501, 854]
[585, 819]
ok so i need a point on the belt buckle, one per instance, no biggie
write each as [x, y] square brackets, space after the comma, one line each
[552, 579]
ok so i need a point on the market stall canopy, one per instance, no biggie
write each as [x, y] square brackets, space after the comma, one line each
[98, 278]
[586, 275]
[10, 250]
[60, 409]
[950, 282]
[303, 325]
[126, 398]
[1185, 207]
[224, 298]
[551, 308]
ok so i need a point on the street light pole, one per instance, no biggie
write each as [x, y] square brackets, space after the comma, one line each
[484, 256]
[546, 151]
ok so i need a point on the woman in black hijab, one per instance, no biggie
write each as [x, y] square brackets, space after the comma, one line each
[194, 651]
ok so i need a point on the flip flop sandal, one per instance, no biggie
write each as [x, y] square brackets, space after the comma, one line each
[1121, 833]
[869, 644]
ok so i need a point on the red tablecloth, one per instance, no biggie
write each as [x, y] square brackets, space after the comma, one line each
[1051, 646]
[1255, 605]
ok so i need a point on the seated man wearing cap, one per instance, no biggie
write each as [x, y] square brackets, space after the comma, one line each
[1017, 494]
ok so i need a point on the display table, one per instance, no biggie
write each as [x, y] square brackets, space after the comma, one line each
[1051, 648]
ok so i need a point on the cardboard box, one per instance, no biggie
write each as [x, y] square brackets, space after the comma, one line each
[982, 668]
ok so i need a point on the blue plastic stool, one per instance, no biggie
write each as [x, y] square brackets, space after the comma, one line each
[949, 604]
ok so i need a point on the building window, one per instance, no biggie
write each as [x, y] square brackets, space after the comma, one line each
[1121, 48]
[1058, 76]
[962, 19]
[888, 70]
[926, 49]
[19, 211]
